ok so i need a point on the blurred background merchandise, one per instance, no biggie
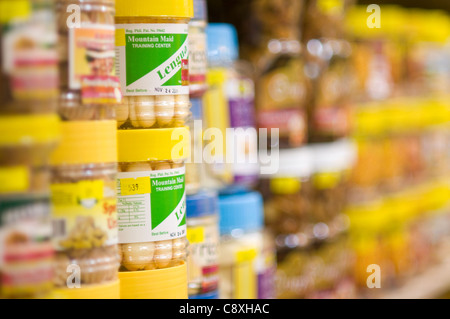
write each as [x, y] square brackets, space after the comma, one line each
[382, 91]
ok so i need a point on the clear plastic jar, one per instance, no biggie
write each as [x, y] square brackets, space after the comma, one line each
[198, 63]
[247, 259]
[28, 55]
[155, 89]
[89, 87]
[84, 204]
[151, 199]
[26, 262]
[203, 235]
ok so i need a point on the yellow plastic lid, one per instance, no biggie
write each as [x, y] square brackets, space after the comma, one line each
[86, 142]
[110, 290]
[169, 283]
[29, 129]
[285, 185]
[155, 8]
[11, 9]
[153, 144]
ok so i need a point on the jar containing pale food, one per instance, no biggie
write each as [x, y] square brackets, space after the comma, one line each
[152, 63]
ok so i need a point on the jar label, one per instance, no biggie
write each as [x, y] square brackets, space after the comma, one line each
[84, 215]
[151, 205]
[91, 60]
[152, 59]
[25, 247]
[197, 55]
[334, 120]
[30, 58]
[245, 276]
[203, 257]
[241, 102]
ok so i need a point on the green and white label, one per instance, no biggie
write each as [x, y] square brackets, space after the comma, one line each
[151, 206]
[152, 59]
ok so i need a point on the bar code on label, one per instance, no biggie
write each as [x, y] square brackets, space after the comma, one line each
[59, 227]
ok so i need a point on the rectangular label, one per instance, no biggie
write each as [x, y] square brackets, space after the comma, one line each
[152, 59]
[135, 186]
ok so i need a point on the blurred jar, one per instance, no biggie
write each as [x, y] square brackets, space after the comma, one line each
[247, 260]
[198, 61]
[229, 103]
[26, 262]
[328, 64]
[282, 91]
[329, 181]
[84, 215]
[203, 235]
[294, 276]
[155, 86]
[29, 58]
[287, 194]
[89, 87]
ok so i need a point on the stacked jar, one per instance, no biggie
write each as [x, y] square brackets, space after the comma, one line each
[29, 132]
[247, 254]
[270, 39]
[84, 167]
[229, 103]
[153, 145]
[287, 197]
[152, 212]
[333, 162]
[202, 211]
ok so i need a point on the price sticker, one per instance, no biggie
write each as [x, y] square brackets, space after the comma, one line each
[195, 235]
[135, 186]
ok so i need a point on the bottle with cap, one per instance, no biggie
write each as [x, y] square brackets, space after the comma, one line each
[202, 212]
[26, 259]
[247, 262]
[152, 62]
[229, 103]
[152, 212]
[84, 215]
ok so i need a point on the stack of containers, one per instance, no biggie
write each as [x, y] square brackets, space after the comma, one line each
[229, 104]
[29, 132]
[153, 145]
[84, 166]
[201, 202]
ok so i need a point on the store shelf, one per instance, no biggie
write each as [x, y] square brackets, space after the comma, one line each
[431, 284]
